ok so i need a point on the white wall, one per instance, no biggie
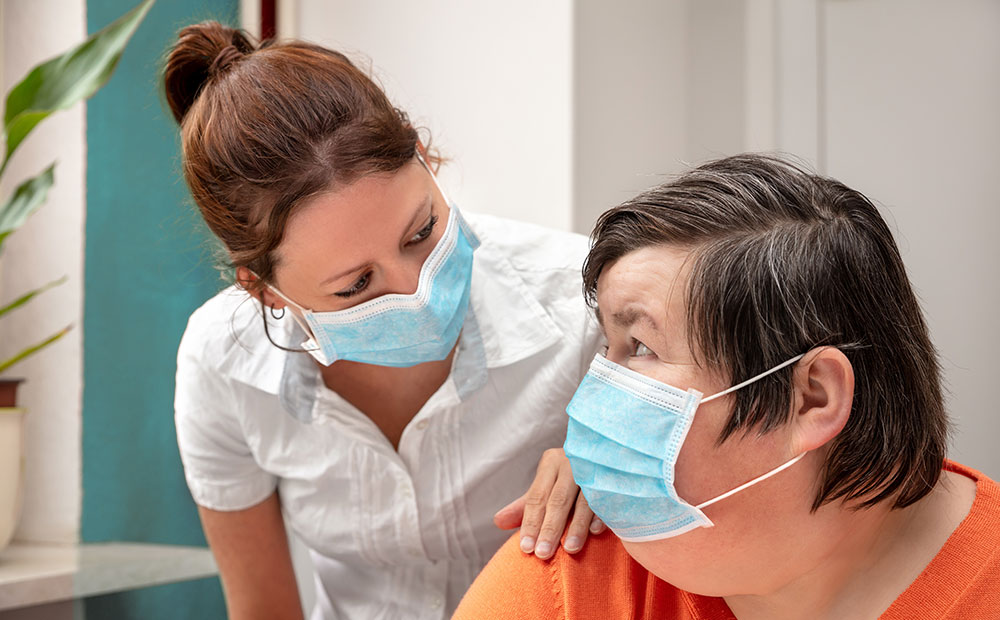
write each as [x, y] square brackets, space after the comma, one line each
[49, 246]
[718, 76]
[658, 86]
[629, 67]
[913, 120]
[491, 80]
[899, 99]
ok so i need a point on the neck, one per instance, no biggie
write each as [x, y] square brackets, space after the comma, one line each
[870, 557]
[389, 396]
[815, 591]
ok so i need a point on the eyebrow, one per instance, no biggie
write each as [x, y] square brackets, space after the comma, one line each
[428, 201]
[627, 317]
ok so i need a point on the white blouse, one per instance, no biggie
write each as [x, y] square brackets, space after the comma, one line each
[393, 534]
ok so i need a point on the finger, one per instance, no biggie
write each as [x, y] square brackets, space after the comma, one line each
[597, 526]
[579, 525]
[561, 500]
[509, 517]
[535, 501]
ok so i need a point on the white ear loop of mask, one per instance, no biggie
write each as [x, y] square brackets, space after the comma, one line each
[774, 471]
[752, 379]
[433, 177]
[745, 485]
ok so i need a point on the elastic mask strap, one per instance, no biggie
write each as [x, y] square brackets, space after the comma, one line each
[433, 176]
[301, 323]
[751, 380]
[285, 299]
[774, 471]
[469, 233]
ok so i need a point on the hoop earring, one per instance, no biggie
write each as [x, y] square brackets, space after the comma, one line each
[278, 317]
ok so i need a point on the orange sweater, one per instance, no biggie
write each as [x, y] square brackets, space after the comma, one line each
[602, 582]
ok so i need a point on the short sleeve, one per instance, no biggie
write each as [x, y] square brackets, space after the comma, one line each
[513, 586]
[219, 466]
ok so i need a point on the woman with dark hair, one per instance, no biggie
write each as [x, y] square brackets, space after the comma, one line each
[810, 480]
[387, 372]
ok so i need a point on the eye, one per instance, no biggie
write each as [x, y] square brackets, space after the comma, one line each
[357, 287]
[641, 350]
[425, 232]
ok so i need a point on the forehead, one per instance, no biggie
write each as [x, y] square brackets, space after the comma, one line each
[353, 222]
[651, 280]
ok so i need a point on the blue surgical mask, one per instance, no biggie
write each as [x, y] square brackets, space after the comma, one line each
[402, 330]
[624, 436]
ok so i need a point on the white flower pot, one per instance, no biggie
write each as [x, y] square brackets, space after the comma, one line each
[11, 470]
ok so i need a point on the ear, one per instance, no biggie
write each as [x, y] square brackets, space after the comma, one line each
[823, 384]
[246, 280]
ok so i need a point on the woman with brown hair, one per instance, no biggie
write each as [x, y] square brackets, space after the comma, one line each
[387, 372]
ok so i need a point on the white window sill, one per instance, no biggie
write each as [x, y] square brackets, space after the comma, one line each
[36, 574]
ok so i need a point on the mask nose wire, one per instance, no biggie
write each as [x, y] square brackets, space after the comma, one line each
[752, 379]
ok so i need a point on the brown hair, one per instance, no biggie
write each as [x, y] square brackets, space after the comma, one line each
[263, 128]
[785, 261]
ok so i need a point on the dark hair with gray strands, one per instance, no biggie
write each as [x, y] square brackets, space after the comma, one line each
[784, 261]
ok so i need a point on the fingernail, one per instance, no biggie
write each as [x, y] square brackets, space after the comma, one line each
[595, 526]
[573, 544]
[543, 550]
[527, 544]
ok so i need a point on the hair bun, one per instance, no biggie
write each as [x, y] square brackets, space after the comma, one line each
[202, 52]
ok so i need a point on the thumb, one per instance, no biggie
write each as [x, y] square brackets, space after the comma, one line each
[509, 517]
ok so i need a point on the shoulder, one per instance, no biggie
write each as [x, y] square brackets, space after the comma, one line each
[981, 527]
[984, 513]
[964, 576]
[549, 262]
[516, 585]
[513, 586]
[225, 340]
[530, 247]
[229, 323]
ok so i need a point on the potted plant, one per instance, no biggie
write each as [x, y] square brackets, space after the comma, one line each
[55, 84]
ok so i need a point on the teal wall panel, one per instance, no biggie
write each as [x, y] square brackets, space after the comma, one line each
[148, 264]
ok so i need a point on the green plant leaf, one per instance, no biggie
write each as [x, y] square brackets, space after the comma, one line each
[34, 348]
[24, 201]
[61, 82]
[23, 299]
